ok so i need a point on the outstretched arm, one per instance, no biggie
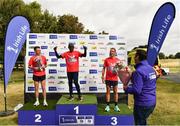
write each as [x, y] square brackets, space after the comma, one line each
[57, 55]
[85, 52]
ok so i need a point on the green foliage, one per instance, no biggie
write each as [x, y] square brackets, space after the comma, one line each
[30, 106]
[87, 99]
[8, 8]
[171, 56]
[103, 33]
[88, 32]
[40, 21]
[161, 55]
[69, 24]
[177, 55]
[124, 110]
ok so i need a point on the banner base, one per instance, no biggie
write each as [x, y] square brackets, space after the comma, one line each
[7, 113]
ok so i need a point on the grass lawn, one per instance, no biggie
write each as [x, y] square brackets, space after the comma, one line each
[123, 110]
[167, 110]
[30, 106]
[17, 76]
[15, 95]
[168, 100]
[174, 69]
[87, 99]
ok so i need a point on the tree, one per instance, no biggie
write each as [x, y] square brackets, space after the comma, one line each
[40, 21]
[47, 23]
[161, 55]
[103, 33]
[69, 24]
[34, 14]
[8, 8]
[166, 57]
[171, 56]
[177, 55]
[88, 32]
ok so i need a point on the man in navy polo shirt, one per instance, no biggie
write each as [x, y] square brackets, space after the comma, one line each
[143, 88]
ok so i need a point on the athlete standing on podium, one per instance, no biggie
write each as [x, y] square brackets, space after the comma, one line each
[72, 64]
[38, 64]
[111, 78]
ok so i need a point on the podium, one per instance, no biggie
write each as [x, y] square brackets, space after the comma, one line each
[80, 112]
[124, 117]
[37, 115]
[65, 112]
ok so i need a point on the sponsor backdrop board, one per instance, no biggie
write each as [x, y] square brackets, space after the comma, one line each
[90, 66]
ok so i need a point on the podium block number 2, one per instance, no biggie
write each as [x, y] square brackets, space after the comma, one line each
[114, 121]
[76, 109]
[37, 118]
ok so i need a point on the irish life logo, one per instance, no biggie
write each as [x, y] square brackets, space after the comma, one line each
[17, 42]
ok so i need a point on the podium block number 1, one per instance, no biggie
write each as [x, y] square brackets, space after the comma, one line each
[37, 118]
[76, 109]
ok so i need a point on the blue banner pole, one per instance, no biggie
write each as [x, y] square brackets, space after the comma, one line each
[5, 101]
[15, 37]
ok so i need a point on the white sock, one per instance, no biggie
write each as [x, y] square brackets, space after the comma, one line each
[37, 99]
[44, 99]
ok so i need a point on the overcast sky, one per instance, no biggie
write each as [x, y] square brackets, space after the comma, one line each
[129, 18]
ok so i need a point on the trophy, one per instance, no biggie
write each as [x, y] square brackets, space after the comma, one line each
[39, 65]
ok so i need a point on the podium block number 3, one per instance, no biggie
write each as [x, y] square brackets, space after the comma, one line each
[114, 121]
[37, 118]
[76, 109]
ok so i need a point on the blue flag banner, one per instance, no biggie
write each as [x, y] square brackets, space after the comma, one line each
[159, 29]
[16, 32]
